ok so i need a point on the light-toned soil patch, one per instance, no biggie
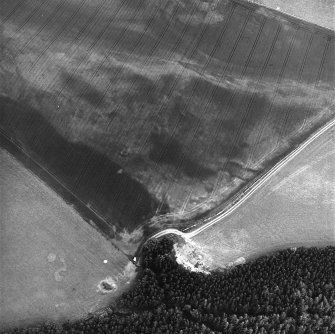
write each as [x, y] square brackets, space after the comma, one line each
[192, 257]
[295, 207]
[51, 259]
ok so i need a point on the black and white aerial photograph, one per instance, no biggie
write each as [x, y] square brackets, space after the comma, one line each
[167, 166]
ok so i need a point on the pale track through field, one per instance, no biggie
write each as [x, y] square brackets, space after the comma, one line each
[258, 184]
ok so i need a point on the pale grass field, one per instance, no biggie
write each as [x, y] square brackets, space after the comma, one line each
[296, 207]
[51, 259]
[321, 12]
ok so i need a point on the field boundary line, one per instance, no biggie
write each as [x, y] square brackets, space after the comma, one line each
[97, 217]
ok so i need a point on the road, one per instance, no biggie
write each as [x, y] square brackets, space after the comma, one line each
[258, 184]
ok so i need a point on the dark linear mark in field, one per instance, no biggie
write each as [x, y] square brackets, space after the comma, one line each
[83, 90]
[54, 15]
[169, 151]
[143, 90]
[241, 172]
[89, 174]
[232, 105]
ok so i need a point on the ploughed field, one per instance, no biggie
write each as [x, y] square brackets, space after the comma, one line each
[295, 207]
[143, 108]
[51, 260]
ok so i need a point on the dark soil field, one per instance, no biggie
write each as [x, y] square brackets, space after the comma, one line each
[150, 110]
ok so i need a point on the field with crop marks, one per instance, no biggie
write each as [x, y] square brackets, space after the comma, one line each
[143, 108]
[295, 207]
[51, 259]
